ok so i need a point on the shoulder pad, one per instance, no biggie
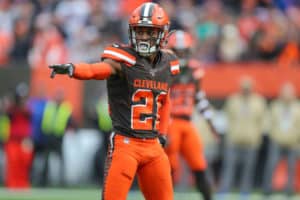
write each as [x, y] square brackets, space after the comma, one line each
[119, 54]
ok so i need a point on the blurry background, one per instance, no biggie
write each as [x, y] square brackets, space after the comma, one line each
[257, 40]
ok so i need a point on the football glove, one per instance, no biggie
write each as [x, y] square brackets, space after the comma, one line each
[62, 69]
[162, 140]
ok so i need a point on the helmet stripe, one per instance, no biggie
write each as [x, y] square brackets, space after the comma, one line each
[118, 55]
[147, 10]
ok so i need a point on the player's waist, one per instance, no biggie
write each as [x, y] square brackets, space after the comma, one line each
[136, 134]
[127, 139]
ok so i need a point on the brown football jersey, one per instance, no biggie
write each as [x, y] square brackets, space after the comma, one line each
[136, 94]
[183, 91]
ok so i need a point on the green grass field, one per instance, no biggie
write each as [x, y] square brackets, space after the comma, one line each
[94, 194]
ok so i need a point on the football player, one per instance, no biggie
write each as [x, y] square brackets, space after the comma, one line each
[186, 96]
[138, 79]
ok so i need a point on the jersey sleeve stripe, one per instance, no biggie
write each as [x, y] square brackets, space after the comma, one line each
[118, 54]
[121, 51]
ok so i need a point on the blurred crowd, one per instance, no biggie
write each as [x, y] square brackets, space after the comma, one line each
[226, 30]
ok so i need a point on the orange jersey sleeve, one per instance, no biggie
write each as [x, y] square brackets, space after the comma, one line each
[99, 71]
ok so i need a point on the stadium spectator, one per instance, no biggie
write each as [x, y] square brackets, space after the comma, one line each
[267, 41]
[171, 8]
[48, 43]
[231, 46]
[18, 148]
[6, 44]
[4, 133]
[45, 6]
[37, 105]
[22, 40]
[247, 22]
[245, 111]
[290, 55]
[16, 23]
[187, 15]
[57, 119]
[71, 16]
[7, 16]
[284, 137]
[207, 29]
[103, 123]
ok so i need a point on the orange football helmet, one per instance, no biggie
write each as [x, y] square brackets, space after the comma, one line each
[181, 43]
[149, 15]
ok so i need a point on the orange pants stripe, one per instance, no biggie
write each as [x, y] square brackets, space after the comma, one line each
[184, 140]
[144, 157]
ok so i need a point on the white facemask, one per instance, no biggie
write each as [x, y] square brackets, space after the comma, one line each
[144, 48]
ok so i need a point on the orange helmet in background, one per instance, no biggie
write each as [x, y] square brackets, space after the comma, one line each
[153, 16]
[181, 43]
[180, 40]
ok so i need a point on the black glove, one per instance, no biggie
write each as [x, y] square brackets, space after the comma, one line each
[163, 140]
[62, 69]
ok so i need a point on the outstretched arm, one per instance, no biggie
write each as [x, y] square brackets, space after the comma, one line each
[86, 71]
